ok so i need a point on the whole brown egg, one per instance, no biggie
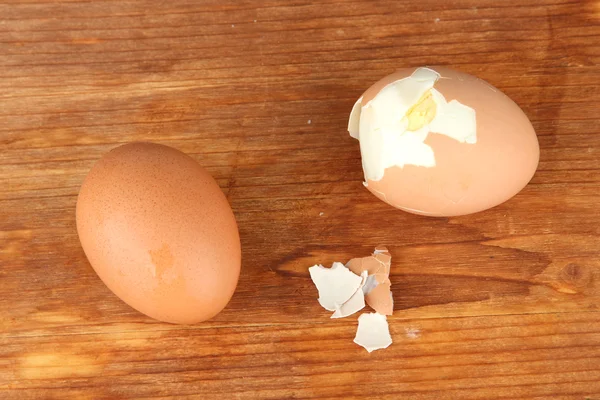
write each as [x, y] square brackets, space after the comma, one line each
[159, 232]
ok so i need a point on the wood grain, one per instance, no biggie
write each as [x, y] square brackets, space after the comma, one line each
[502, 304]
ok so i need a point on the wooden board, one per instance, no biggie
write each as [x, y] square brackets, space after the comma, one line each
[503, 304]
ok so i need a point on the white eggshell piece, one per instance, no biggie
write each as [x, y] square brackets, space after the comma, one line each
[354, 119]
[373, 332]
[353, 304]
[454, 120]
[335, 285]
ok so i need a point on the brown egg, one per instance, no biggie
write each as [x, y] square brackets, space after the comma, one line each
[159, 232]
[480, 152]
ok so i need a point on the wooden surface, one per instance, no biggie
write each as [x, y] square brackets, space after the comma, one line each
[503, 304]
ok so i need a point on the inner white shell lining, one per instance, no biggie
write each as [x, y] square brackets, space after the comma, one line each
[381, 128]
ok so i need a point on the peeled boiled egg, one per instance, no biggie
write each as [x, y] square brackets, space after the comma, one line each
[159, 232]
[439, 142]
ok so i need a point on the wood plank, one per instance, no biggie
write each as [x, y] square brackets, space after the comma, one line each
[503, 304]
[519, 356]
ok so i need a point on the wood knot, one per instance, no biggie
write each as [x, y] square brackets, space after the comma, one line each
[575, 275]
[571, 271]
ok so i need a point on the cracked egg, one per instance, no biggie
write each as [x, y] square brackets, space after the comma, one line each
[439, 142]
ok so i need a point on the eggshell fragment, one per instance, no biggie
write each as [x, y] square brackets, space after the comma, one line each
[336, 285]
[377, 288]
[370, 284]
[377, 265]
[380, 298]
[373, 332]
[353, 122]
[355, 303]
[439, 142]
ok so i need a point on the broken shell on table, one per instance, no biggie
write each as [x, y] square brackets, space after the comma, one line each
[346, 289]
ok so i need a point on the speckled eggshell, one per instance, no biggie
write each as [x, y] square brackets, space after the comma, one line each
[159, 232]
[467, 178]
